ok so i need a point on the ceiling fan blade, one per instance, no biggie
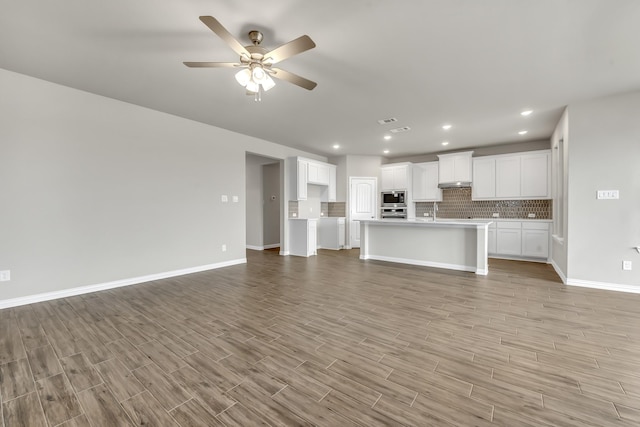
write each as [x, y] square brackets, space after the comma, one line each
[225, 35]
[287, 50]
[293, 78]
[212, 64]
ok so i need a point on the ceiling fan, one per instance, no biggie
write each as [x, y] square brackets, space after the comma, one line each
[256, 61]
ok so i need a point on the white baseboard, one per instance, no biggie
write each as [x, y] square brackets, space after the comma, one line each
[47, 296]
[604, 286]
[425, 263]
[559, 272]
[262, 248]
[284, 253]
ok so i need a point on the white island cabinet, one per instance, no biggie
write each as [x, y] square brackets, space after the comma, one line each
[452, 244]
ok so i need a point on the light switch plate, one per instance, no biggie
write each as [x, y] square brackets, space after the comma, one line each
[608, 194]
[224, 198]
[5, 275]
[235, 199]
[627, 265]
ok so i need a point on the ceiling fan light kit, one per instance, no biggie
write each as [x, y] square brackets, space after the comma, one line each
[256, 62]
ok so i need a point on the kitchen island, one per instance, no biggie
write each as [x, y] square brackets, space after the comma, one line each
[443, 243]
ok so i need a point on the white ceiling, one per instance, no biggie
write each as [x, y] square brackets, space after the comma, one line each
[474, 64]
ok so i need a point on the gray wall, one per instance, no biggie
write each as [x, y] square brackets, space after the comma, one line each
[604, 154]
[271, 208]
[96, 190]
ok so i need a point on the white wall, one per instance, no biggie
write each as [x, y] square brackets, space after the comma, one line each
[96, 190]
[310, 208]
[604, 154]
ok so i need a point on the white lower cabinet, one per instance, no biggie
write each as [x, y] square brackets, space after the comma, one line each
[303, 237]
[509, 238]
[522, 239]
[491, 237]
[331, 233]
[535, 240]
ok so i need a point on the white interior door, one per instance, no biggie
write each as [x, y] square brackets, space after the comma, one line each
[363, 204]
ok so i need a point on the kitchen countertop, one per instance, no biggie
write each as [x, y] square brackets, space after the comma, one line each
[442, 222]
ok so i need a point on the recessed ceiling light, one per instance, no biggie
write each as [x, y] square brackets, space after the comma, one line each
[445, 142]
[526, 112]
[386, 151]
[522, 132]
[387, 137]
[446, 127]
[336, 146]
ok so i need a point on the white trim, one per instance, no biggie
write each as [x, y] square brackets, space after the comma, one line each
[558, 239]
[559, 272]
[284, 253]
[458, 267]
[262, 248]
[47, 296]
[518, 258]
[604, 286]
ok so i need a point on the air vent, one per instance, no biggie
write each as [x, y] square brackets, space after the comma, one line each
[402, 129]
[386, 121]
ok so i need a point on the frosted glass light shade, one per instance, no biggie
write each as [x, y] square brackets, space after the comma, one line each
[243, 76]
[258, 74]
[252, 86]
[268, 83]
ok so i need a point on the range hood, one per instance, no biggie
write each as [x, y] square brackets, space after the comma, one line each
[457, 184]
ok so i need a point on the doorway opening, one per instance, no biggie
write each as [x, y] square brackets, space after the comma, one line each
[264, 202]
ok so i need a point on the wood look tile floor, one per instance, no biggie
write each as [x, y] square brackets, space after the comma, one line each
[327, 341]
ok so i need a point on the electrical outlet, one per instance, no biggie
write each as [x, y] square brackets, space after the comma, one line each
[627, 265]
[294, 215]
[531, 215]
[224, 248]
[5, 275]
[425, 214]
[235, 199]
[496, 215]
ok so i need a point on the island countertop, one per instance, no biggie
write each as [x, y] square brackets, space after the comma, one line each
[444, 222]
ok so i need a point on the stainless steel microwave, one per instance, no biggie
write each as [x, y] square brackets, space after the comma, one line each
[394, 198]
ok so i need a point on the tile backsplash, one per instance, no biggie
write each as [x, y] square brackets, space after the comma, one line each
[328, 209]
[457, 203]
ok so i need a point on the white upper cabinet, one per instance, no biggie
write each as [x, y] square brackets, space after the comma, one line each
[425, 182]
[307, 171]
[396, 176]
[318, 173]
[512, 176]
[455, 167]
[508, 177]
[484, 178]
[302, 173]
[535, 172]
